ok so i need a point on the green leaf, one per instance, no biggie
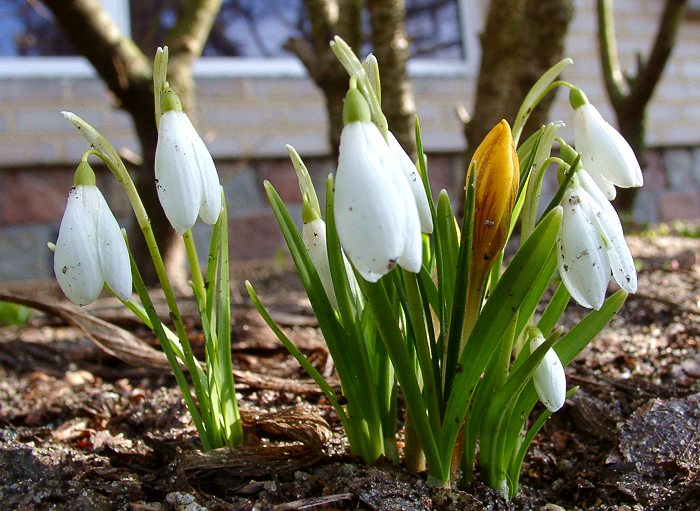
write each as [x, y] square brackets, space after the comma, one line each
[494, 445]
[555, 308]
[503, 305]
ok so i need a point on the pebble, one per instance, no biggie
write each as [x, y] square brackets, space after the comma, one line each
[691, 367]
[183, 502]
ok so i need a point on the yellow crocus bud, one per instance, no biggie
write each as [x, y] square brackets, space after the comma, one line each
[497, 178]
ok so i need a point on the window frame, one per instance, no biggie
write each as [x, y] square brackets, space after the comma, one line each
[245, 67]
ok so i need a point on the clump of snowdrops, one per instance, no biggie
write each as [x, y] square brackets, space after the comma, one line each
[408, 296]
[92, 253]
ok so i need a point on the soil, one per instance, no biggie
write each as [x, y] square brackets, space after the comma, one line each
[81, 429]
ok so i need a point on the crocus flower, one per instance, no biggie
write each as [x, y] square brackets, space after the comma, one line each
[186, 178]
[375, 211]
[416, 183]
[314, 235]
[497, 179]
[591, 246]
[605, 154]
[549, 377]
[90, 249]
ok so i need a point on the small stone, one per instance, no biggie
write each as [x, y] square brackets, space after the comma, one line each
[77, 378]
[691, 367]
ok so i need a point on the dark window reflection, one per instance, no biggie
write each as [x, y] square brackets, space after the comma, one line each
[27, 29]
[254, 28]
[244, 28]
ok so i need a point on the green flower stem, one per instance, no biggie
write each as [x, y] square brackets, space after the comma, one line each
[378, 299]
[355, 69]
[233, 429]
[420, 339]
[117, 167]
[200, 422]
[193, 260]
[160, 72]
[534, 185]
[543, 86]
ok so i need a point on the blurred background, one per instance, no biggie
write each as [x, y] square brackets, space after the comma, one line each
[256, 75]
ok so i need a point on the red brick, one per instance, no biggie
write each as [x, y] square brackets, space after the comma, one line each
[255, 237]
[35, 196]
[654, 175]
[282, 176]
[679, 206]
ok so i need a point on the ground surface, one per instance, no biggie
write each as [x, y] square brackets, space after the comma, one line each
[81, 429]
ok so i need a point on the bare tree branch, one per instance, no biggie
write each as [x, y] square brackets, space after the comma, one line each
[615, 82]
[630, 95]
[391, 47]
[115, 57]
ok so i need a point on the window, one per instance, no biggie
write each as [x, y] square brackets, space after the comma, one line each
[253, 32]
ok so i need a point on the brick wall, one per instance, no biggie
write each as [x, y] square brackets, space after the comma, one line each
[246, 122]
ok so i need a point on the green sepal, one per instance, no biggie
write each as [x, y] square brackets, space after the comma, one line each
[169, 100]
[577, 98]
[84, 175]
[355, 107]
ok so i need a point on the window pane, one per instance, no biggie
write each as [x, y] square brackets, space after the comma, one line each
[255, 28]
[27, 28]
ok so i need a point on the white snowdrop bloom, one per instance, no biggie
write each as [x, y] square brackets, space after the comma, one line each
[375, 213]
[314, 236]
[549, 377]
[416, 183]
[605, 153]
[186, 178]
[591, 246]
[90, 249]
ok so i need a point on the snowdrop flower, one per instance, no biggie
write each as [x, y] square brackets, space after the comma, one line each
[186, 178]
[90, 249]
[591, 246]
[314, 235]
[416, 183]
[549, 377]
[375, 211]
[605, 154]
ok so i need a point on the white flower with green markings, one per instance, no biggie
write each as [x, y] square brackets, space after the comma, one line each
[375, 210]
[591, 247]
[90, 249]
[186, 178]
[549, 377]
[605, 154]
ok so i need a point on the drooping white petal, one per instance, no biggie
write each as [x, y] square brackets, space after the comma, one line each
[415, 182]
[111, 248]
[370, 215]
[178, 180]
[582, 260]
[604, 151]
[549, 378]
[76, 260]
[211, 189]
[606, 219]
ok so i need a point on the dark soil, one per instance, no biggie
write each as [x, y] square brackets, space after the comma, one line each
[82, 430]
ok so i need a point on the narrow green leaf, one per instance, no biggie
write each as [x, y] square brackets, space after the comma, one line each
[493, 321]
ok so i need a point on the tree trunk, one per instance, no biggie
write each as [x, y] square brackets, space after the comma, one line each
[521, 40]
[344, 18]
[514, 56]
[630, 93]
[391, 47]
